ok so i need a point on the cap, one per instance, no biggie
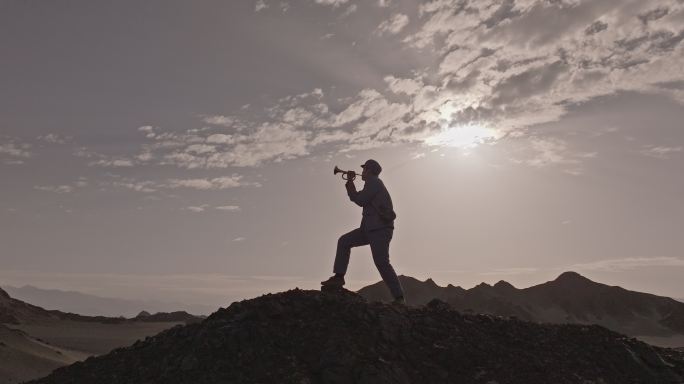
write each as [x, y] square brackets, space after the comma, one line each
[372, 166]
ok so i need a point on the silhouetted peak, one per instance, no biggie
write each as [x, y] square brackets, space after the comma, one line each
[429, 281]
[504, 285]
[571, 276]
[144, 314]
[482, 285]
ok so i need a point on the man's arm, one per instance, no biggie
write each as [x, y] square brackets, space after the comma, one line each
[364, 196]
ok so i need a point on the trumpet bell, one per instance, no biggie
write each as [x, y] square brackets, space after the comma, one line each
[337, 170]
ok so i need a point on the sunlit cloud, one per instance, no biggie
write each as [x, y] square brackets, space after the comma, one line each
[394, 25]
[463, 136]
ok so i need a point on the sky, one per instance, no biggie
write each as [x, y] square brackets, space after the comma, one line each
[183, 151]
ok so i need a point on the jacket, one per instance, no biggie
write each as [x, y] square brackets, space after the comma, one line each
[374, 193]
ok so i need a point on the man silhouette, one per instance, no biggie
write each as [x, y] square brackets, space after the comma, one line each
[377, 227]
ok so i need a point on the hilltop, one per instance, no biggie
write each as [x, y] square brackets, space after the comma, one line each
[314, 337]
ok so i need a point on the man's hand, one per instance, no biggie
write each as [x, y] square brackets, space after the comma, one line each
[350, 185]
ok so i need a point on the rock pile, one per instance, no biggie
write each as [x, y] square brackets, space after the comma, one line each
[313, 337]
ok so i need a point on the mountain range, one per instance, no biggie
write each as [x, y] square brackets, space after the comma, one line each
[92, 305]
[570, 298]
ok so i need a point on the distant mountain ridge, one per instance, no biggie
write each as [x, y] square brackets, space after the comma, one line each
[570, 298]
[14, 311]
[92, 305]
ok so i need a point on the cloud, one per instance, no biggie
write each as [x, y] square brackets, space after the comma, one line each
[12, 151]
[113, 163]
[203, 184]
[81, 182]
[404, 86]
[224, 182]
[228, 208]
[239, 239]
[614, 265]
[54, 138]
[206, 207]
[350, 9]
[198, 208]
[55, 188]
[394, 25]
[662, 152]
[504, 66]
[334, 3]
[541, 152]
[138, 186]
[260, 5]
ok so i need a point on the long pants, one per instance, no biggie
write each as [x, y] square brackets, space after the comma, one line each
[379, 241]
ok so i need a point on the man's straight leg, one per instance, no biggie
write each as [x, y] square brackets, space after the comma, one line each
[379, 243]
[346, 242]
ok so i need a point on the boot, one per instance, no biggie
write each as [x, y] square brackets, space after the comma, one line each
[399, 300]
[335, 281]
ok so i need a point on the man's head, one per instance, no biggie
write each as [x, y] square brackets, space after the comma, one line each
[370, 167]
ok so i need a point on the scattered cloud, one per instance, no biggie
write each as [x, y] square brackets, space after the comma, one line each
[486, 78]
[203, 184]
[239, 239]
[334, 3]
[662, 152]
[545, 152]
[197, 208]
[81, 182]
[229, 208]
[260, 5]
[394, 25]
[350, 9]
[206, 207]
[224, 182]
[113, 163]
[13, 151]
[55, 188]
[54, 138]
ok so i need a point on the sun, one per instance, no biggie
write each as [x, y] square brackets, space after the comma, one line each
[462, 136]
[458, 135]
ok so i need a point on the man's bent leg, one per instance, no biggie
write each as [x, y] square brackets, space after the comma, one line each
[379, 243]
[346, 242]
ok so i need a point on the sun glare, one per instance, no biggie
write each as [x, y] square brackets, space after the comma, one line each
[462, 136]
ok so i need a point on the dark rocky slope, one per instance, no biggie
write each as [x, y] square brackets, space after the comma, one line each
[314, 337]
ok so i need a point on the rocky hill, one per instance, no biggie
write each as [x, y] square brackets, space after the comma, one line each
[571, 298]
[315, 337]
[34, 341]
[23, 357]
